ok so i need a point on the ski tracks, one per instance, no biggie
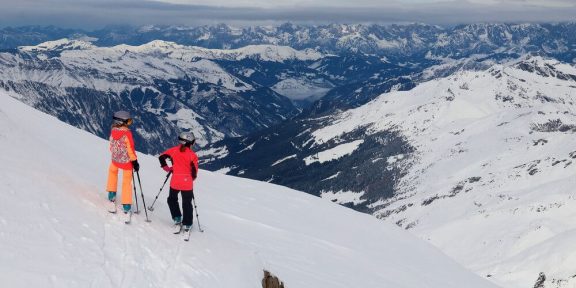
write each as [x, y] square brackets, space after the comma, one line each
[144, 254]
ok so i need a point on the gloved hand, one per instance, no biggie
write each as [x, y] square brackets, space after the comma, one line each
[135, 165]
[167, 169]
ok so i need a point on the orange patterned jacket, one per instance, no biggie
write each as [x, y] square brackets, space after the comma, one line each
[122, 148]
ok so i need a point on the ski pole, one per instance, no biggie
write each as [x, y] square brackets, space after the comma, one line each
[151, 208]
[135, 195]
[196, 209]
[142, 193]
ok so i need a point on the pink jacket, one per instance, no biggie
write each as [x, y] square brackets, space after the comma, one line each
[184, 165]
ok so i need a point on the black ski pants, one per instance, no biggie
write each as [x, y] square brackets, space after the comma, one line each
[187, 196]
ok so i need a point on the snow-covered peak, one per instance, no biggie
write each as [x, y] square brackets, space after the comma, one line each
[491, 178]
[271, 53]
[59, 45]
[55, 226]
[463, 94]
[274, 53]
[159, 45]
[547, 67]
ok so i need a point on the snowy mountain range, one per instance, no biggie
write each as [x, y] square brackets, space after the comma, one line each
[393, 41]
[170, 87]
[55, 230]
[303, 162]
[71, 79]
[460, 135]
[482, 154]
[270, 75]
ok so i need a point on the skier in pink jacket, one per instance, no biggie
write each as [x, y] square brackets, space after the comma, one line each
[184, 171]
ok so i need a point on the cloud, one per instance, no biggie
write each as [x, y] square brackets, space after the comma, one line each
[536, 3]
[98, 13]
[362, 3]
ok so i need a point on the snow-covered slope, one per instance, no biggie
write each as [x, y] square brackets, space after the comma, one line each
[55, 231]
[491, 179]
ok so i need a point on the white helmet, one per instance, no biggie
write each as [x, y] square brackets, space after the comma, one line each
[187, 138]
[121, 117]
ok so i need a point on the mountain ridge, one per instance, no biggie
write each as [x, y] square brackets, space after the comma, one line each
[388, 138]
[490, 154]
[217, 93]
[393, 40]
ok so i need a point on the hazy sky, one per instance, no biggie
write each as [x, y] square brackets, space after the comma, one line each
[98, 13]
[360, 3]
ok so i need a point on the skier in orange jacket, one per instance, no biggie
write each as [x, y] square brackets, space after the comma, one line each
[123, 158]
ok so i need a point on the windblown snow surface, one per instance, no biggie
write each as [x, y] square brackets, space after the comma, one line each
[55, 230]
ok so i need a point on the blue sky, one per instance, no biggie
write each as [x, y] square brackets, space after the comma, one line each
[98, 13]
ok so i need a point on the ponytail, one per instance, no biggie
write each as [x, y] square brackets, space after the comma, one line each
[183, 147]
